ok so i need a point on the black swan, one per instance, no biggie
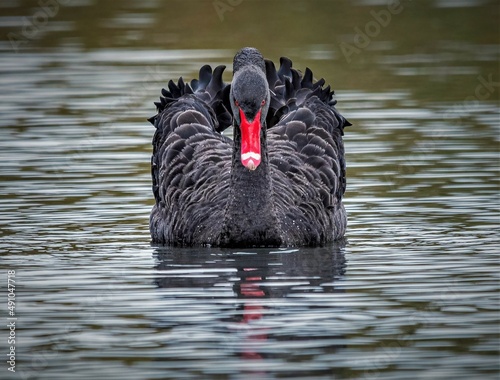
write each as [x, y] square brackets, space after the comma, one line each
[278, 183]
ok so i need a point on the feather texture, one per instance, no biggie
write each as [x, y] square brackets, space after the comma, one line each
[197, 178]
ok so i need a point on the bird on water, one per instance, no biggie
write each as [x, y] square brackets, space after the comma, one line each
[278, 183]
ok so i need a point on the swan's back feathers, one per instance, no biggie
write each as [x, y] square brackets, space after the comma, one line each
[309, 176]
[306, 150]
[191, 160]
[209, 88]
[290, 90]
[292, 96]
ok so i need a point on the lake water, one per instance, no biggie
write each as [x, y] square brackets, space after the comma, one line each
[412, 292]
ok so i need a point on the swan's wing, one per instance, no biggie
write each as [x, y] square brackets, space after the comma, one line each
[209, 88]
[309, 176]
[307, 155]
[190, 169]
[290, 89]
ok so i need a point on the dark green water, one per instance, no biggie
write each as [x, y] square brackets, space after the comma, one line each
[413, 292]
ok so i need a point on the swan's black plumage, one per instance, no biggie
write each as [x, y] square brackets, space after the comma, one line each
[206, 196]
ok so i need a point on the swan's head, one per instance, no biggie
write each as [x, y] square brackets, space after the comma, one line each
[249, 102]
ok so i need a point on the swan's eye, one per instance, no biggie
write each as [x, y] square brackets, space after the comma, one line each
[236, 103]
[263, 103]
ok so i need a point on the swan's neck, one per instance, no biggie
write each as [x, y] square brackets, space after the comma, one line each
[250, 218]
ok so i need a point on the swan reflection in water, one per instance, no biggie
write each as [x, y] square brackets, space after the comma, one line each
[256, 305]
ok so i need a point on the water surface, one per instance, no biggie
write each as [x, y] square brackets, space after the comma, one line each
[412, 292]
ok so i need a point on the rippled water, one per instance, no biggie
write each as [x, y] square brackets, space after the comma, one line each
[413, 291]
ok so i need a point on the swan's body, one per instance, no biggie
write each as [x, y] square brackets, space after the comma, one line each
[281, 180]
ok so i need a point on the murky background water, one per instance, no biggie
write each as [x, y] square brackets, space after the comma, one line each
[413, 292]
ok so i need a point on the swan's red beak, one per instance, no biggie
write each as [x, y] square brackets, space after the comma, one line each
[250, 141]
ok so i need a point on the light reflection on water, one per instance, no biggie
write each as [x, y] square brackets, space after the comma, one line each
[411, 293]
